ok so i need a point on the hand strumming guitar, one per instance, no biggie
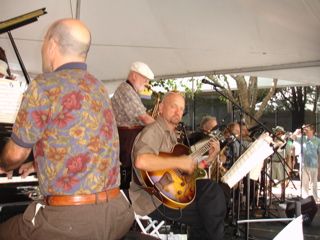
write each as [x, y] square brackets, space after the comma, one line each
[187, 164]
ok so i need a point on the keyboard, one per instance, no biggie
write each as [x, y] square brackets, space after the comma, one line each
[18, 179]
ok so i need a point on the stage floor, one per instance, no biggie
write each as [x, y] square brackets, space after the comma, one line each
[277, 210]
[268, 230]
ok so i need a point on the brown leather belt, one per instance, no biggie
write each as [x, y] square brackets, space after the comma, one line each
[76, 200]
[130, 128]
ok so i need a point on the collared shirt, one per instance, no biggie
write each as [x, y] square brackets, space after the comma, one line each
[154, 138]
[311, 151]
[66, 116]
[127, 106]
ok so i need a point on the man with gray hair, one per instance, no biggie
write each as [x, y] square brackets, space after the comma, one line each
[131, 115]
[207, 124]
[66, 117]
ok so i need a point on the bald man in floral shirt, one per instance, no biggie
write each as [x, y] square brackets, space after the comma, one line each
[67, 119]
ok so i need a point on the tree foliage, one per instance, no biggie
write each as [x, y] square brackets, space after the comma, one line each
[296, 100]
[247, 94]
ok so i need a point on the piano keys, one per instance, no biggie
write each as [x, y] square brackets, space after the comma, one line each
[18, 179]
[16, 193]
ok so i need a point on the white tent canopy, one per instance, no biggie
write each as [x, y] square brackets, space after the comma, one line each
[274, 38]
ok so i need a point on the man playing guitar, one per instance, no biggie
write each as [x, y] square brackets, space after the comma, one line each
[206, 209]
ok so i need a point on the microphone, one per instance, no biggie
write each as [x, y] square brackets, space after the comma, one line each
[205, 81]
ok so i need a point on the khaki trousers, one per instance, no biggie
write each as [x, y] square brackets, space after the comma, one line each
[110, 220]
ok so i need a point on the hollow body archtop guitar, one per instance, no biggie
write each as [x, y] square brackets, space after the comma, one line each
[174, 188]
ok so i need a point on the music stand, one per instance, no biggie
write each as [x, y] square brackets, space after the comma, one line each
[219, 89]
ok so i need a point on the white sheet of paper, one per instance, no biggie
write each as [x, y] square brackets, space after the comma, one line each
[251, 158]
[11, 92]
[292, 231]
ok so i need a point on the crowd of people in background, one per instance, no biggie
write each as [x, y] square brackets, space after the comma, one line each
[290, 161]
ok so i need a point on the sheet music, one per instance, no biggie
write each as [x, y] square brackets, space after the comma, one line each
[252, 157]
[11, 92]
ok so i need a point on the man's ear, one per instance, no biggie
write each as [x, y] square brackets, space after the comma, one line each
[134, 75]
[50, 47]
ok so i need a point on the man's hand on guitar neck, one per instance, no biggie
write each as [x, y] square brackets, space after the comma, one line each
[214, 150]
[213, 154]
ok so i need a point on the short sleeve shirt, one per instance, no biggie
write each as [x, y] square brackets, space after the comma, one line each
[66, 116]
[127, 106]
[311, 151]
[154, 138]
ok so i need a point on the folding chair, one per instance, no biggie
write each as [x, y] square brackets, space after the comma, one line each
[148, 225]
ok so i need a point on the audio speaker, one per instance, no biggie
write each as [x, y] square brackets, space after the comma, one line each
[307, 207]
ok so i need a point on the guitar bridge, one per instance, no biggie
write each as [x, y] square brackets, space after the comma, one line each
[164, 181]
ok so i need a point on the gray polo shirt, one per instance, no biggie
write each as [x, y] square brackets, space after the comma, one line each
[154, 138]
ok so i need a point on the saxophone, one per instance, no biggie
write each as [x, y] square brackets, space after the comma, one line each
[217, 169]
[155, 110]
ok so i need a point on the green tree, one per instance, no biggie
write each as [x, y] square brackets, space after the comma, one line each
[295, 100]
[247, 94]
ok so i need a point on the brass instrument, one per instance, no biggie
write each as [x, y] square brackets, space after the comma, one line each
[155, 110]
[217, 170]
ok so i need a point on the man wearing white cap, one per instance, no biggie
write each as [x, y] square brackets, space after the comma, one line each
[3, 69]
[130, 114]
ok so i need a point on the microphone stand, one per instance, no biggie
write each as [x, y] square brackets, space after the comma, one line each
[301, 159]
[219, 89]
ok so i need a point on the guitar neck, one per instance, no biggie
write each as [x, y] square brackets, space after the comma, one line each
[205, 148]
[201, 151]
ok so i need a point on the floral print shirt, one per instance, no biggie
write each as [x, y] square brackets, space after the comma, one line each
[127, 106]
[66, 116]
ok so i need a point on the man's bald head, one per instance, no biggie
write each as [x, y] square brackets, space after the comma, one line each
[67, 40]
[171, 108]
[72, 36]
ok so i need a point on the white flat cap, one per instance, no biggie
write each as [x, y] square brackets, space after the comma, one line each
[3, 68]
[143, 69]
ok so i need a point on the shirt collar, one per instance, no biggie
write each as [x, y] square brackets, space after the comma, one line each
[165, 127]
[127, 81]
[72, 65]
